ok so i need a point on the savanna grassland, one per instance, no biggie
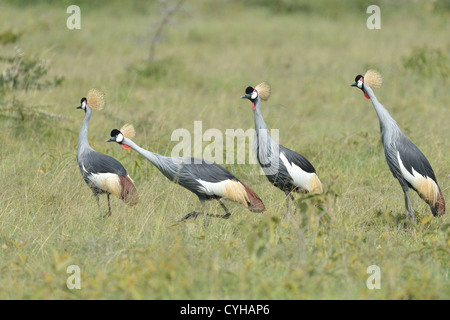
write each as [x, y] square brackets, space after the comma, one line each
[209, 52]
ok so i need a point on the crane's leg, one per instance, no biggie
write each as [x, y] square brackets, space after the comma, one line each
[205, 219]
[409, 208]
[109, 207]
[287, 201]
[227, 212]
[195, 214]
[98, 201]
[225, 216]
[290, 195]
[98, 204]
[295, 203]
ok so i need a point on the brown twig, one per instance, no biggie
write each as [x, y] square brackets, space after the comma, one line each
[164, 21]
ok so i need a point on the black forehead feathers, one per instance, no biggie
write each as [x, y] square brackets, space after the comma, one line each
[249, 90]
[83, 99]
[114, 132]
[358, 77]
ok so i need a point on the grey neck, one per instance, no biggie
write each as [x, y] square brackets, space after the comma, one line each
[266, 149]
[388, 126]
[259, 120]
[166, 165]
[83, 143]
[150, 156]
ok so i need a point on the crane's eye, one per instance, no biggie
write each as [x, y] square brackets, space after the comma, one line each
[254, 94]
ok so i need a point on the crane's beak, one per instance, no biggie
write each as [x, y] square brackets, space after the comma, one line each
[362, 89]
[356, 85]
[112, 139]
[80, 107]
[246, 96]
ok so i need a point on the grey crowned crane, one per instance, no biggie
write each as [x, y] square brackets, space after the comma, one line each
[102, 173]
[406, 162]
[207, 180]
[284, 168]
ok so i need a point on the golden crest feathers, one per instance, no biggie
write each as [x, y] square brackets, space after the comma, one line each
[373, 79]
[128, 131]
[96, 99]
[263, 90]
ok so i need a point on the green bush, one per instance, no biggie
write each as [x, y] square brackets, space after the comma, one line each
[428, 62]
[26, 73]
[10, 36]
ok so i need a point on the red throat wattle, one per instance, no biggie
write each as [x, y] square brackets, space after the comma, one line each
[367, 96]
[125, 146]
[253, 105]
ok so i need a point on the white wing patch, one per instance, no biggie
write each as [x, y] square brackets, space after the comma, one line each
[425, 186]
[106, 181]
[415, 178]
[301, 178]
[228, 189]
[214, 188]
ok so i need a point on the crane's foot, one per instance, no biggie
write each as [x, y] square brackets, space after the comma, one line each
[195, 214]
[226, 216]
[223, 216]
[106, 215]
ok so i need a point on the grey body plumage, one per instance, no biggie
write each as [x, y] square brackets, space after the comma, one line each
[284, 168]
[205, 179]
[405, 160]
[102, 173]
[186, 171]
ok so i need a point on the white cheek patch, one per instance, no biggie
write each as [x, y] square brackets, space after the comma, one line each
[254, 95]
[119, 138]
[360, 83]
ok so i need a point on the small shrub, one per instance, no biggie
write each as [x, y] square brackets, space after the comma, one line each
[150, 69]
[428, 62]
[10, 36]
[25, 73]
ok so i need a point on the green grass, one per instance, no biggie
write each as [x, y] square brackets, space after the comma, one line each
[309, 53]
